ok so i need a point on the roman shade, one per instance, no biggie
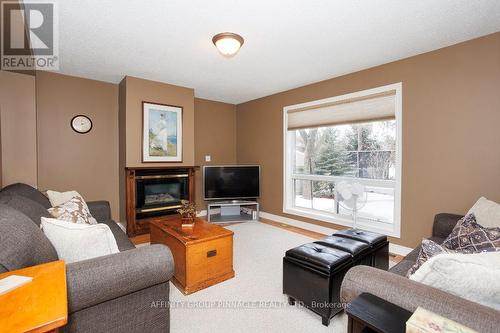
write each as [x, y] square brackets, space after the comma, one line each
[378, 106]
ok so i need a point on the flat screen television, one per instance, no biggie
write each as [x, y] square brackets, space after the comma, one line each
[231, 182]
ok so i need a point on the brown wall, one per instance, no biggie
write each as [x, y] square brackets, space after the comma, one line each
[67, 160]
[139, 90]
[451, 136]
[215, 135]
[134, 91]
[18, 132]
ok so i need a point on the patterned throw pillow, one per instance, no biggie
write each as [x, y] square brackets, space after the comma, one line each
[58, 198]
[470, 237]
[429, 249]
[75, 210]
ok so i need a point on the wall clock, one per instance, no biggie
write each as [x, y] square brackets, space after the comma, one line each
[81, 124]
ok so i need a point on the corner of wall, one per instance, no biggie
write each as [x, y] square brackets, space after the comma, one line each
[122, 153]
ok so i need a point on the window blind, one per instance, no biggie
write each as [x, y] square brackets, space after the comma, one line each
[356, 110]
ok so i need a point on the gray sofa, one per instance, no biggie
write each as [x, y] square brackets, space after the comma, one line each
[123, 292]
[394, 287]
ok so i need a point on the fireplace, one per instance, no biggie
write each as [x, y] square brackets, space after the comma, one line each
[160, 192]
[154, 193]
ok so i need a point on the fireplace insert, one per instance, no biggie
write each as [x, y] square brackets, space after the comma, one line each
[159, 192]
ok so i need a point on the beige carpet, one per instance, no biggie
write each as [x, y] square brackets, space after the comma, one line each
[253, 300]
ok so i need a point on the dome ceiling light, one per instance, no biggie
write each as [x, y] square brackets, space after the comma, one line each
[228, 43]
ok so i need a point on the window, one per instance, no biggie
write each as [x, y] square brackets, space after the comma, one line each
[350, 137]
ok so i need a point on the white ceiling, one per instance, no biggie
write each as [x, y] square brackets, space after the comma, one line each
[288, 43]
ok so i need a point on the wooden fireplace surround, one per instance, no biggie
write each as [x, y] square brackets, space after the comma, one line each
[136, 226]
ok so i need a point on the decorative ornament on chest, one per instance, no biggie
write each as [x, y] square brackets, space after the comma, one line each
[188, 213]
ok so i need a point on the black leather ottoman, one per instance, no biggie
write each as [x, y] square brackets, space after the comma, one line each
[379, 246]
[313, 273]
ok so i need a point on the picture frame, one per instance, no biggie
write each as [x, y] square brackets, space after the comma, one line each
[161, 133]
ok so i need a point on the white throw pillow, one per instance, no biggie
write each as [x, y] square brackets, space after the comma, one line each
[76, 242]
[475, 277]
[487, 213]
[58, 198]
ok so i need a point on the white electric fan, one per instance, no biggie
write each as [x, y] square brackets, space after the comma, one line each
[351, 196]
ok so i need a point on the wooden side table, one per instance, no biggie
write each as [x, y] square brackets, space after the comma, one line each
[38, 306]
[368, 313]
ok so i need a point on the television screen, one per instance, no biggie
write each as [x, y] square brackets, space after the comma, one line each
[231, 182]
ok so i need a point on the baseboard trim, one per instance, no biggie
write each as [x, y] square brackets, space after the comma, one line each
[297, 223]
[122, 226]
[393, 248]
[399, 249]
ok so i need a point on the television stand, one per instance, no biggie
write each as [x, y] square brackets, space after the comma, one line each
[233, 211]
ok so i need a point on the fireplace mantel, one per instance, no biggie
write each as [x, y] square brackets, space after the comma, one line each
[162, 167]
[154, 193]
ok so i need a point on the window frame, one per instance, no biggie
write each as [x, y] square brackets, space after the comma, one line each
[391, 229]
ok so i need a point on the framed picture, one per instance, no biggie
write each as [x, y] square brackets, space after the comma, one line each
[161, 133]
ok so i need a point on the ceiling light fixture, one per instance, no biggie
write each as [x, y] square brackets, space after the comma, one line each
[228, 43]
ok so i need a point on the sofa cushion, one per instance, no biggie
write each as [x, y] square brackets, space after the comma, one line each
[413, 255]
[100, 210]
[22, 243]
[28, 207]
[402, 267]
[27, 191]
[121, 238]
[444, 224]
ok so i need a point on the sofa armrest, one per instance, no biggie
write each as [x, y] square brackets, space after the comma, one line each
[100, 279]
[409, 295]
[444, 224]
[100, 210]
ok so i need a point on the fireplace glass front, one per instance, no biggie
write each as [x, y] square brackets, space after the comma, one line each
[160, 194]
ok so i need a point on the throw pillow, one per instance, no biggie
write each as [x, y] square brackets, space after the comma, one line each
[470, 237]
[75, 210]
[487, 213]
[428, 250]
[58, 198]
[475, 277]
[76, 242]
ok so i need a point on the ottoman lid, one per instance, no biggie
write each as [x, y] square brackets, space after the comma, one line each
[368, 237]
[351, 246]
[323, 258]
